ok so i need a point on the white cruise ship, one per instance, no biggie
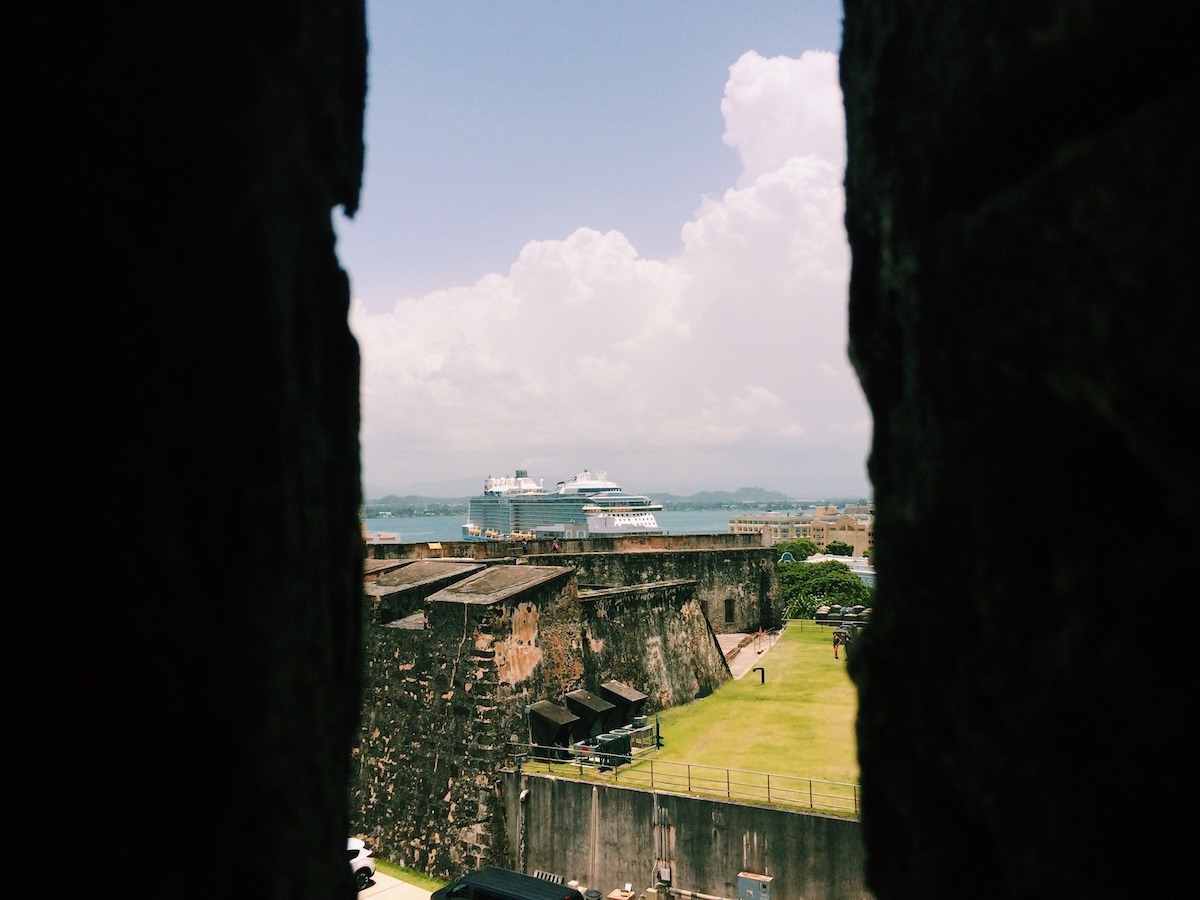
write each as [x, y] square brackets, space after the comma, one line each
[513, 507]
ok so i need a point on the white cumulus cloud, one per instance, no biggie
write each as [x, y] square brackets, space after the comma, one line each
[781, 108]
[722, 367]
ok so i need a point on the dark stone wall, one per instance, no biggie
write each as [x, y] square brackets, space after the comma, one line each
[605, 835]
[654, 638]
[500, 549]
[435, 724]
[441, 705]
[391, 597]
[1022, 210]
[724, 567]
[748, 576]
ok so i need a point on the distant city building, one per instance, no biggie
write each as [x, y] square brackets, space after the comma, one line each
[859, 565]
[825, 526]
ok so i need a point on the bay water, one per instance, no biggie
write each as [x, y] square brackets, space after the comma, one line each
[417, 529]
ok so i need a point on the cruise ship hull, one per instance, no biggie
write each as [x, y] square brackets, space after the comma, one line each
[586, 505]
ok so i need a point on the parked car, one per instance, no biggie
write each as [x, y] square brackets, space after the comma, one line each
[362, 862]
[493, 883]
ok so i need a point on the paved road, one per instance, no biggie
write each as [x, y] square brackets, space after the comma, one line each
[745, 651]
[385, 887]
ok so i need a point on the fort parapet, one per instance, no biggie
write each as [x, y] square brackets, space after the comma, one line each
[457, 650]
[736, 578]
[628, 543]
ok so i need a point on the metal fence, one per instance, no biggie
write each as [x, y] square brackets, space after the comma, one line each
[689, 778]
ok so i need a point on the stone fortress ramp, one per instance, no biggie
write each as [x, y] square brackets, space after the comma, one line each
[745, 651]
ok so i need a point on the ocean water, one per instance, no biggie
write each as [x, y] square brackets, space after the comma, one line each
[416, 529]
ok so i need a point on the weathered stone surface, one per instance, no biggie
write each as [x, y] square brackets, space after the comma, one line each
[655, 639]
[455, 695]
[748, 577]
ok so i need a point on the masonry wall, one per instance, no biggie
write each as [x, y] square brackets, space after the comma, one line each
[388, 603]
[616, 544]
[747, 576]
[655, 639]
[441, 705]
[725, 567]
[605, 835]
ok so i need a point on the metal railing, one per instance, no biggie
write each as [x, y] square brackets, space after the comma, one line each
[632, 770]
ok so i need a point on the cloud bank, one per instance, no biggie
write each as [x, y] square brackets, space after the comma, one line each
[722, 367]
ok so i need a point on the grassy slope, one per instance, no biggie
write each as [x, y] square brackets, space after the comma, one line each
[798, 721]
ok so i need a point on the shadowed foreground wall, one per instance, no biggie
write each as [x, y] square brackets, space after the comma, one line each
[1022, 210]
[1021, 205]
[196, 401]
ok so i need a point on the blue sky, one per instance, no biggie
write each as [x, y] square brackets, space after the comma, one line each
[605, 236]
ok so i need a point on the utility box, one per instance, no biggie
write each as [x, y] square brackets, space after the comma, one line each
[753, 887]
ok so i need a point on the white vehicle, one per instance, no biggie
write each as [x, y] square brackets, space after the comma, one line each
[362, 862]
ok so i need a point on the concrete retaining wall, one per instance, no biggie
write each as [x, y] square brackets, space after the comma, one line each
[605, 836]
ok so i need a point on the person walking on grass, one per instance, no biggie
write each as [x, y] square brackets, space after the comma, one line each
[837, 642]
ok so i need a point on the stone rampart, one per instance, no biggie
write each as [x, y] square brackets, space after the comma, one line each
[655, 638]
[442, 702]
[629, 543]
[737, 579]
[738, 587]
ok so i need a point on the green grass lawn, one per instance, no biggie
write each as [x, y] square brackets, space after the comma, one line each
[783, 736]
[796, 718]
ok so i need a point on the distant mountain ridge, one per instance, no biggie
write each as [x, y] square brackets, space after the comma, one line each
[714, 499]
[416, 500]
[719, 498]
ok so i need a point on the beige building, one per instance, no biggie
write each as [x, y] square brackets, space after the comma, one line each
[824, 527]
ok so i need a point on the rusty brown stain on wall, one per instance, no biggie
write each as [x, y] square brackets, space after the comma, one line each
[518, 655]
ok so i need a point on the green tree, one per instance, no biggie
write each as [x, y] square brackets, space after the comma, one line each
[839, 548]
[801, 549]
[805, 586]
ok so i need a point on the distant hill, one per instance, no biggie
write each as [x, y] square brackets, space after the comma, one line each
[744, 497]
[417, 501]
[721, 498]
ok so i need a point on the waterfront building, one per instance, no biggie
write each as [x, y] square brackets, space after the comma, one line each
[825, 526]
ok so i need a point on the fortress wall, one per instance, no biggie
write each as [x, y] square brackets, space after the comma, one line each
[499, 549]
[747, 576]
[725, 567]
[387, 603]
[654, 638]
[440, 705]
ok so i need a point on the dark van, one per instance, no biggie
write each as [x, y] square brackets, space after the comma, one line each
[494, 883]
